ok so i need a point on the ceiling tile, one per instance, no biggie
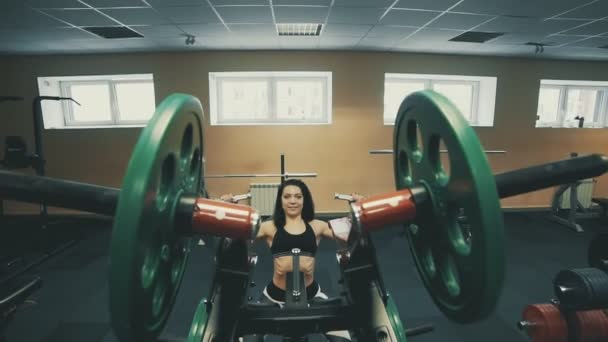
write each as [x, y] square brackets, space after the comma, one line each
[55, 34]
[173, 3]
[300, 14]
[559, 39]
[53, 3]
[240, 2]
[246, 15]
[592, 28]
[82, 17]
[457, 21]
[526, 25]
[378, 42]
[190, 14]
[204, 29]
[346, 30]
[136, 16]
[437, 5]
[364, 3]
[408, 18]
[433, 36]
[346, 15]
[526, 8]
[258, 43]
[338, 42]
[591, 42]
[13, 4]
[592, 10]
[390, 31]
[517, 39]
[116, 3]
[24, 17]
[249, 30]
[158, 31]
[302, 2]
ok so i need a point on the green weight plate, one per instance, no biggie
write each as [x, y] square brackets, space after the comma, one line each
[199, 323]
[148, 253]
[395, 319]
[457, 240]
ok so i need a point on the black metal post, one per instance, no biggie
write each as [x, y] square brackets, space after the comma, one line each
[283, 175]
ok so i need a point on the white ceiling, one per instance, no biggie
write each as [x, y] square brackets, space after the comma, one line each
[573, 29]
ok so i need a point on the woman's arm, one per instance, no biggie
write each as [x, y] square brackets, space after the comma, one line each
[325, 230]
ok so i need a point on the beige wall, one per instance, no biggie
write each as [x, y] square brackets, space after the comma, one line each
[338, 152]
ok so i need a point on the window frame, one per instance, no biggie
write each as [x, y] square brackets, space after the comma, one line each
[429, 82]
[600, 114]
[116, 120]
[217, 118]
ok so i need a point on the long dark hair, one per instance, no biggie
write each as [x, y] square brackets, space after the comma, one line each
[308, 209]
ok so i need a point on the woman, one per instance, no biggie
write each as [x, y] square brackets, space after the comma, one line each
[293, 225]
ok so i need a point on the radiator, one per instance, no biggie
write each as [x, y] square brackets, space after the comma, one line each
[584, 193]
[263, 196]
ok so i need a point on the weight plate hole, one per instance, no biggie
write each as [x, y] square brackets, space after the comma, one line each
[149, 269]
[428, 263]
[167, 176]
[459, 231]
[158, 299]
[449, 274]
[439, 161]
[405, 166]
[186, 144]
[195, 163]
[414, 139]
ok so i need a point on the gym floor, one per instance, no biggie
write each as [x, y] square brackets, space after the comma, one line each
[73, 302]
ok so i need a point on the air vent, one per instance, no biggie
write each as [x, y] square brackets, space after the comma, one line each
[113, 32]
[299, 29]
[476, 37]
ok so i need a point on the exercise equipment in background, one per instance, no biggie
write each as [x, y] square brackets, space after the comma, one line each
[566, 207]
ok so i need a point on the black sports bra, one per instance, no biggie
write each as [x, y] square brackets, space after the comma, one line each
[283, 242]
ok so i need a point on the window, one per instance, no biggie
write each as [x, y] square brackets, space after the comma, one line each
[267, 98]
[567, 103]
[474, 96]
[103, 101]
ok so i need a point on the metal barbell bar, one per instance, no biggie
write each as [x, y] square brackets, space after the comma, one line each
[267, 175]
[387, 151]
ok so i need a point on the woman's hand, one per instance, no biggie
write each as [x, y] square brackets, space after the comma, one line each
[227, 198]
[357, 197]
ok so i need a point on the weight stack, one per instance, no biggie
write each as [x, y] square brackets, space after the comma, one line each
[581, 289]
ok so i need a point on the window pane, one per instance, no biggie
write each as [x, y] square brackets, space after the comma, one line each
[94, 102]
[460, 94]
[580, 102]
[394, 93]
[245, 100]
[548, 105]
[299, 100]
[135, 100]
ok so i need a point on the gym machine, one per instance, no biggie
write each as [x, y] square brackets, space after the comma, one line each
[575, 209]
[159, 209]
